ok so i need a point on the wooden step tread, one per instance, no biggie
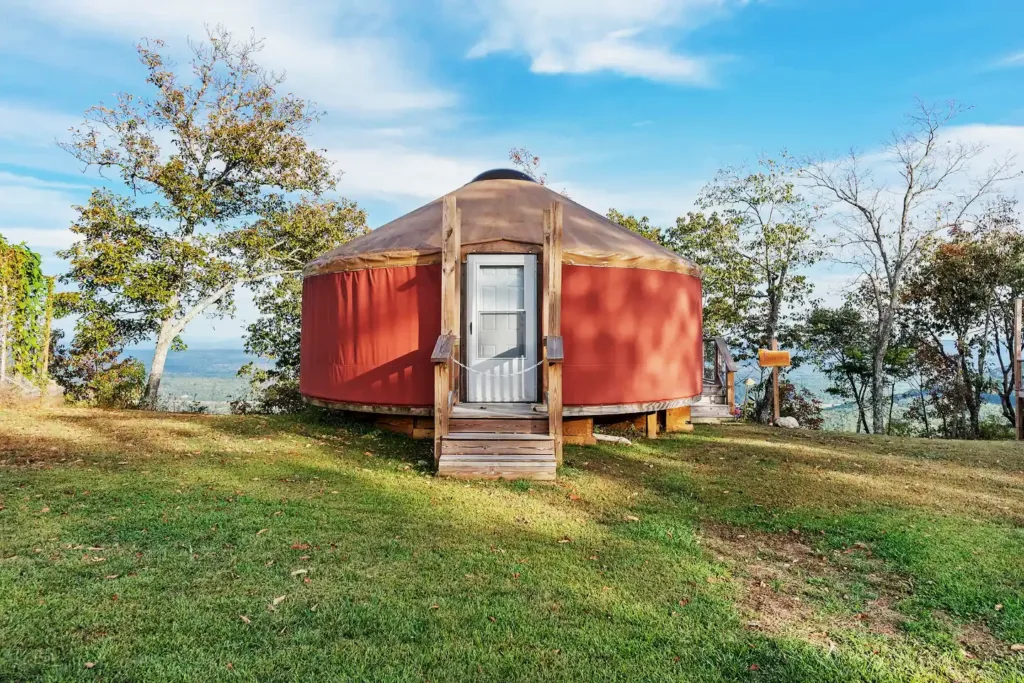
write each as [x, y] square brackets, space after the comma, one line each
[487, 448]
[491, 436]
[491, 467]
[462, 425]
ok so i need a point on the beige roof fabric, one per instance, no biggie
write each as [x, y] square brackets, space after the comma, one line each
[501, 210]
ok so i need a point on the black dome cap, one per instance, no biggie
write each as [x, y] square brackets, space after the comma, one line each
[503, 174]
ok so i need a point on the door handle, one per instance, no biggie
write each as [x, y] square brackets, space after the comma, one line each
[471, 327]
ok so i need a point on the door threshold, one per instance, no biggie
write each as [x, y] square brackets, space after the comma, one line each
[499, 410]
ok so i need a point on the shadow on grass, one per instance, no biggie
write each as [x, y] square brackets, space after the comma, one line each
[409, 577]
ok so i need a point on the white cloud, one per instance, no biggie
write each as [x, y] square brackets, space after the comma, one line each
[28, 125]
[314, 42]
[634, 38]
[38, 238]
[392, 171]
[37, 211]
[1014, 59]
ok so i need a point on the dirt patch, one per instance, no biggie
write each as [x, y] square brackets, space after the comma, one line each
[976, 639]
[789, 588]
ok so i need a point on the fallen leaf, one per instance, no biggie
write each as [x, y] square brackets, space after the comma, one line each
[245, 619]
[435, 606]
[89, 665]
[300, 546]
[278, 600]
[45, 509]
[300, 571]
[755, 667]
[565, 540]
[684, 602]
[573, 496]
[230, 665]
[999, 607]
[631, 518]
[1017, 647]
[493, 620]
[262, 531]
[110, 576]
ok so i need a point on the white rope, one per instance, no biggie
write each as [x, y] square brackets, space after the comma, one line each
[488, 373]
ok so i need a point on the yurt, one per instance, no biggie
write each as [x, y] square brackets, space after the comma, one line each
[501, 320]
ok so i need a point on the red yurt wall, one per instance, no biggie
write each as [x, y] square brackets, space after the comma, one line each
[631, 335]
[367, 335]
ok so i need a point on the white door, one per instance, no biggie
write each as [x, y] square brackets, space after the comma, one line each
[501, 327]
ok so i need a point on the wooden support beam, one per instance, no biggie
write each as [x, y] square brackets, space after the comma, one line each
[553, 297]
[579, 431]
[447, 343]
[651, 425]
[1018, 381]
[730, 389]
[678, 420]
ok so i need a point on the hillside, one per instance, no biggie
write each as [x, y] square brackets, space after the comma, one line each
[157, 546]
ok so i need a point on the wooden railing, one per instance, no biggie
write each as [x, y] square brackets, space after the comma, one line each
[445, 393]
[720, 368]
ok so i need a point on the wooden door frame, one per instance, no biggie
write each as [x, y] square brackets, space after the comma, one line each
[532, 323]
[498, 247]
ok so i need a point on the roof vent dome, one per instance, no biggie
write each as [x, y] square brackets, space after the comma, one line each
[503, 174]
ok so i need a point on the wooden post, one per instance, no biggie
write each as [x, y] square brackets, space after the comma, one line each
[730, 389]
[553, 338]
[450, 255]
[775, 387]
[651, 425]
[1018, 381]
[545, 312]
[678, 420]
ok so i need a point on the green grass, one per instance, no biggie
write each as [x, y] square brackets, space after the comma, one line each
[137, 543]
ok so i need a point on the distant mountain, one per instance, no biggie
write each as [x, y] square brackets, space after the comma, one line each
[199, 362]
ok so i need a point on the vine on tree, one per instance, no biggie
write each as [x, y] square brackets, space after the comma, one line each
[25, 312]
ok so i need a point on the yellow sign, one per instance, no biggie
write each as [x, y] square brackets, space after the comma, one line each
[772, 359]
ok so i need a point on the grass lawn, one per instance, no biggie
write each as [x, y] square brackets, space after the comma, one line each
[140, 546]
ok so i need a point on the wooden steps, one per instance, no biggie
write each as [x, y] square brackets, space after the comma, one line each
[712, 407]
[497, 446]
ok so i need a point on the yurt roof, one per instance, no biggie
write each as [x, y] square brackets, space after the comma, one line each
[501, 206]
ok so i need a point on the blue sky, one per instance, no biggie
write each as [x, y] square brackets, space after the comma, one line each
[632, 104]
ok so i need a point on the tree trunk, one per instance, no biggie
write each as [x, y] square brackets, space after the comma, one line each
[892, 402]
[150, 399]
[924, 408]
[1007, 392]
[878, 385]
[858, 397]
[972, 394]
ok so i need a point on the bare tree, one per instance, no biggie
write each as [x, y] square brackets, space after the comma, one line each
[883, 225]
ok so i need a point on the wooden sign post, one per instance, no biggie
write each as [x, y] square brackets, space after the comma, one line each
[774, 359]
